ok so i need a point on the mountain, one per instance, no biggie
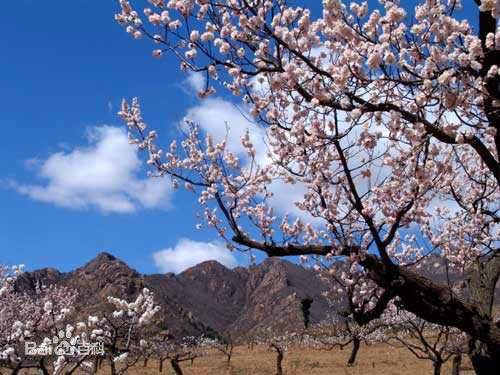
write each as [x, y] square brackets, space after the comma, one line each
[205, 298]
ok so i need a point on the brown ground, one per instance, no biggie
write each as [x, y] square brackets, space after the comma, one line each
[372, 360]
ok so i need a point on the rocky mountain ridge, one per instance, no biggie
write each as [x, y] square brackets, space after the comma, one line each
[205, 298]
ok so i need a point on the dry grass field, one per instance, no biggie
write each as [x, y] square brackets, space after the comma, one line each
[372, 360]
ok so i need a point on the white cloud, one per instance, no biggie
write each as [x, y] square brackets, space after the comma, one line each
[196, 82]
[221, 118]
[188, 253]
[103, 175]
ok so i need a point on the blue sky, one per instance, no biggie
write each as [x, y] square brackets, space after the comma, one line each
[64, 69]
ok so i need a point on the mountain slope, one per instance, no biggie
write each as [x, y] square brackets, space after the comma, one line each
[207, 297]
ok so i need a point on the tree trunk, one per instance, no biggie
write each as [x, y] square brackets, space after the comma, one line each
[457, 361]
[279, 360]
[485, 365]
[470, 314]
[437, 367]
[481, 281]
[229, 351]
[484, 361]
[161, 365]
[175, 365]
[112, 366]
[42, 367]
[355, 348]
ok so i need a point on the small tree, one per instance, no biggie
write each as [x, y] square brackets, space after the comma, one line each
[341, 331]
[166, 347]
[30, 317]
[225, 345]
[279, 343]
[8, 302]
[349, 296]
[121, 335]
[424, 340]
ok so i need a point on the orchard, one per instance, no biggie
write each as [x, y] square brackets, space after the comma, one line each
[372, 155]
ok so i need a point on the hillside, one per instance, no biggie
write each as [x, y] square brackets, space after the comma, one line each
[206, 297]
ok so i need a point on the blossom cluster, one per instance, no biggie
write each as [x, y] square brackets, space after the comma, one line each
[29, 315]
[373, 116]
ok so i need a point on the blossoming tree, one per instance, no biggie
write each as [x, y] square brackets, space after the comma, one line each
[119, 338]
[224, 344]
[122, 332]
[277, 342]
[385, 118]
[427, 341]
[30, 317]
[7, 299]
[339, 331]
[340, 328]
[176, 350]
